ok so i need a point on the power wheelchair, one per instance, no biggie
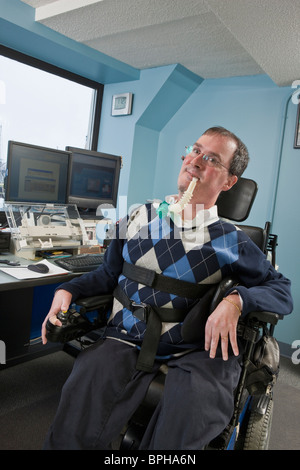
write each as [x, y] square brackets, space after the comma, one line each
[250, 425]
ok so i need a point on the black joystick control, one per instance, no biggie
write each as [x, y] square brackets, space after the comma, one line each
[74, 325]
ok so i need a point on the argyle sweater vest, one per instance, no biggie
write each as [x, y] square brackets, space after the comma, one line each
[201, 254]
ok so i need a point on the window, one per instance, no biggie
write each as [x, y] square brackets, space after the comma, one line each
[41, 104]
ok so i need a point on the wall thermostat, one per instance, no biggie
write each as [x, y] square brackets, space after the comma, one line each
[121, 104]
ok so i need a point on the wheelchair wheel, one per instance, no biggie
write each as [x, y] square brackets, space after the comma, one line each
[259, 429]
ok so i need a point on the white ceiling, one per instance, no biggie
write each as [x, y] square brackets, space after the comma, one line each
[212, 38]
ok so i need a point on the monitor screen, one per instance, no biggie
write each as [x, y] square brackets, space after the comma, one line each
[94, 179]
[36, 174]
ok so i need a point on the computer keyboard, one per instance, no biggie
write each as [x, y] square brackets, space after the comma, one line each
[81, 263]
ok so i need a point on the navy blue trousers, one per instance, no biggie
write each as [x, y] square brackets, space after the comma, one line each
[104, 389]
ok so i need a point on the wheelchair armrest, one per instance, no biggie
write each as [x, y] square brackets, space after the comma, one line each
[226, 284]
[76, 324]
[95, 302]
[265, 317]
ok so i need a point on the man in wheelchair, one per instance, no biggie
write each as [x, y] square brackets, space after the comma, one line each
[163, 267]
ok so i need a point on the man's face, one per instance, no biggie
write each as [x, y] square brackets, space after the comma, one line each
[211, 179]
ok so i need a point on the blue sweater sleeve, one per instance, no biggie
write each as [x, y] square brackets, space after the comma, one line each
[102, 280]
[262, 287]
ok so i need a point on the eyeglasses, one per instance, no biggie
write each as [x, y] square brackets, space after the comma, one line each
[208, 159]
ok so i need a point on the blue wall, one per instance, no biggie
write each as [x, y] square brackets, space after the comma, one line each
[171, 108]
[249, 106]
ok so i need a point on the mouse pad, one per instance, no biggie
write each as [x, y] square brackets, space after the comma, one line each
[20, 272]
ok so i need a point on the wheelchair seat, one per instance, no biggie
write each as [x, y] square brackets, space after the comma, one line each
[249, 427]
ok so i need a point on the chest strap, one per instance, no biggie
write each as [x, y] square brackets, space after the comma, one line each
[154, 316]
[164, 283]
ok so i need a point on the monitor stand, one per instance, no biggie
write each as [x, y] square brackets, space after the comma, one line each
[89, 214]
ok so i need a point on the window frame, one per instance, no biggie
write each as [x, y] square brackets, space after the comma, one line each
[63, 73]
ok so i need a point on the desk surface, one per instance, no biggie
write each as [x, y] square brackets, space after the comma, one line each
[8, 282]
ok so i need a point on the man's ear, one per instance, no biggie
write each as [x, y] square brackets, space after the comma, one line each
[232, 179]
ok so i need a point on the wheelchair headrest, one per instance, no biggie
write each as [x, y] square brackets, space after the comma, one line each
[236, 203]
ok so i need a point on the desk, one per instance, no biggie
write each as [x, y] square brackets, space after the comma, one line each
[23, 307]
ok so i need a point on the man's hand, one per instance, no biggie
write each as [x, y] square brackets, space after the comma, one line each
[61, 302]
[222, 325]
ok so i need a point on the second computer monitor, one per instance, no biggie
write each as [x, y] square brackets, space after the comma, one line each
[94, 179]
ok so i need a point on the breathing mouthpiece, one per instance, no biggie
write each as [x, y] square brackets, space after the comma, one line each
[187, 196]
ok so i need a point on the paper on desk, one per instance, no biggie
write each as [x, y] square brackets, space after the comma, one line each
[24, 273]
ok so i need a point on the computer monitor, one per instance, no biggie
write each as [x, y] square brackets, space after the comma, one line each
[36, 174]
[94, 180]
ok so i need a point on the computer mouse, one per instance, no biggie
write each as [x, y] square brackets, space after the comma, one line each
[39, 268]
